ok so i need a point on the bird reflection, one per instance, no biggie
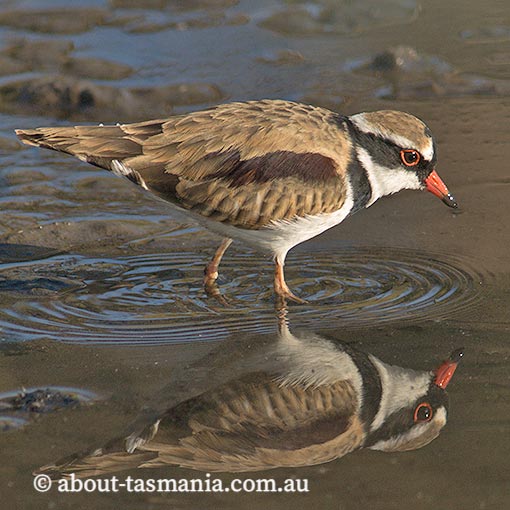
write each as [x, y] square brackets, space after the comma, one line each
[288, 401]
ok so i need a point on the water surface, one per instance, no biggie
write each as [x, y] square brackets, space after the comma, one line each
[100, 284]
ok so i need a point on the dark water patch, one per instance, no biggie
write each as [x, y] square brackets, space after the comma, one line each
[61, 273]
[487, 34]
[208, 20]
[410, 74]
[176, 5]
[404, 59]
[41, 55]
[43, 400]
[282, 58]
[158, 298]
[55, 21]
[34, 286]
[18, 408]
[24, 55]
[22, 252]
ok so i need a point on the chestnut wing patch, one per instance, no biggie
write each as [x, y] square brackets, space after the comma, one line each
[307, 167]
[254, 192]
[254, 423]
[196, 161]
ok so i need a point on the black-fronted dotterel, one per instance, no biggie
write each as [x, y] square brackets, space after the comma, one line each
[270, 173]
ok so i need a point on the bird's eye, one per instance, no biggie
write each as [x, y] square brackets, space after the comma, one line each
[423, 412]
[410, 157]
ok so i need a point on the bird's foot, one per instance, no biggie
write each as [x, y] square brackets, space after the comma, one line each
[281, 289]
[211, 287]
[212, 290]
[294, 298]
[283, 293]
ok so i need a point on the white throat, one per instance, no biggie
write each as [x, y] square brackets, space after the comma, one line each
[386, 181]
[400, 386]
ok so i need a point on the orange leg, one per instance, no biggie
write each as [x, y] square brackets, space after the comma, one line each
[211, 270]
[280, 287]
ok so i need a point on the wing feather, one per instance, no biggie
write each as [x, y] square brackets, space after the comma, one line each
[215, 161]
[252, 425]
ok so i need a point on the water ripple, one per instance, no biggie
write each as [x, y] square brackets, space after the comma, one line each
[158, 298]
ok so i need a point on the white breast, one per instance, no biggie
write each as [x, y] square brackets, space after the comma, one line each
[284, 235]
[280, 236]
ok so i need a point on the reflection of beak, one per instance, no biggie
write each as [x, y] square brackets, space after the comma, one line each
[436, 186]
[446, 370]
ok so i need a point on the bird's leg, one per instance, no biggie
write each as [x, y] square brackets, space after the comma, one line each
[211, 270]
[281, 289]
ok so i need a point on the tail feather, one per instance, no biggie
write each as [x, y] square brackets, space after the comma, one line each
[96, 464]
[98, 145]
[119, 149]
[118, 454]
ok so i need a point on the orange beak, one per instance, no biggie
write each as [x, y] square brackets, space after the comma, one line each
[446, 370]
[436, 186]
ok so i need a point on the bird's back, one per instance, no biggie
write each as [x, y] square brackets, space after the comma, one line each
[245, 164]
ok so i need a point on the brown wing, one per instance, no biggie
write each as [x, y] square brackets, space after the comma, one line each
[241, 163]
[252, 425]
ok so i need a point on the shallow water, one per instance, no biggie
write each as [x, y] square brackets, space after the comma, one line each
[100, 285]
[150, 298]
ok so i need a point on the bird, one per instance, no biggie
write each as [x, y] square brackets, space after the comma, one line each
[270, 173]
[293, 401]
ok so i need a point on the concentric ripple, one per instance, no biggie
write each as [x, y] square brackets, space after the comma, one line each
[158, 298]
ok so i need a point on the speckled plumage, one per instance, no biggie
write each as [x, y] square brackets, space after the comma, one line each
[186, 159]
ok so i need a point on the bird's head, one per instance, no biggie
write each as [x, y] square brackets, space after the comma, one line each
[414, 409]
[398, 152]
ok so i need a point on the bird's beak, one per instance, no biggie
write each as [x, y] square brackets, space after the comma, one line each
[446, 370]
[435, 185]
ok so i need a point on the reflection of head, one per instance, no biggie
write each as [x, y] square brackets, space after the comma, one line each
[414, 409]
[285, 402]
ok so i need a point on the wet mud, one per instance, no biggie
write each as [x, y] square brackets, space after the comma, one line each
[103, 318]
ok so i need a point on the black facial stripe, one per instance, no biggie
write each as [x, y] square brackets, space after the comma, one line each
[383, 152]
[358, 178]
[360, 183]
[372, 386]
[396, 424]
[402, 420]
[436, 397]
[386, 153]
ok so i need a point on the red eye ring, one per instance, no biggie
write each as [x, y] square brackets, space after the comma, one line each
[423, 412]
[410, 157]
